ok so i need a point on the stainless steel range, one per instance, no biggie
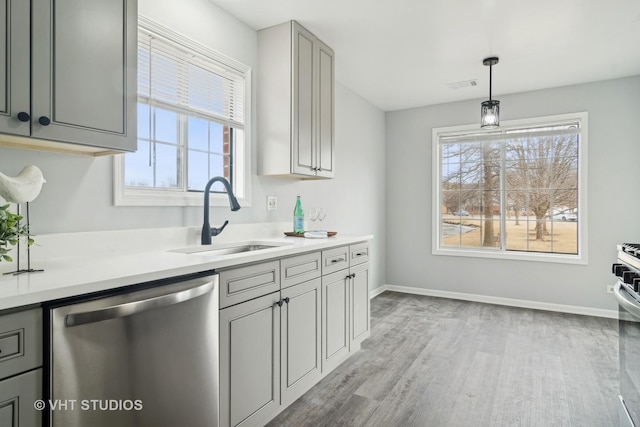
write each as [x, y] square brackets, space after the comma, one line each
[627, 292]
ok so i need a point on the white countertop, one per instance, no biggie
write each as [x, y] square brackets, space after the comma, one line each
[81, 274]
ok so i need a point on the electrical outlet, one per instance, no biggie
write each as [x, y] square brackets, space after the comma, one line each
[272, 203]
[610, 289]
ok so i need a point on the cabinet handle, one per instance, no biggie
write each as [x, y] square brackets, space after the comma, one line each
[351, 276]
[279, 303]
[44, 121]
[360, 253]
[333, 261]
[286, 300]
[24, 117]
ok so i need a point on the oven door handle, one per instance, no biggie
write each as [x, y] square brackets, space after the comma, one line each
[127, 309]
[625, 301]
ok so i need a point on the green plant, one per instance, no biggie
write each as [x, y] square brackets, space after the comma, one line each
[11, 231]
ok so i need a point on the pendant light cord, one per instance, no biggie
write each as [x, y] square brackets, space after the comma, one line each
[490, 68]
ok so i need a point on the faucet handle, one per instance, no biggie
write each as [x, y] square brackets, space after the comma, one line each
[216, 231]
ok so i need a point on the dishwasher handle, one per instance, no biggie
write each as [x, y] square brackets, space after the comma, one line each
[625, 301]
[135, 307]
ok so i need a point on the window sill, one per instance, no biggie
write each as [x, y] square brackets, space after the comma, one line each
[172, 198]
[513, 255]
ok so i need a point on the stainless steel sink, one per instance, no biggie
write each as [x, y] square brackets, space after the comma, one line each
[230, 248]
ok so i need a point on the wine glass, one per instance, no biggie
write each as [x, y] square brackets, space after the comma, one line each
[322, 213]
[313, 216]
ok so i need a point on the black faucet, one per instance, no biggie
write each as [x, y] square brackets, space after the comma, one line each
[207, 231]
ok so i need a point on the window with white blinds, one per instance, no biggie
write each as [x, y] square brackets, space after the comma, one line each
[193, 115]
[188, 80]
[515, 192]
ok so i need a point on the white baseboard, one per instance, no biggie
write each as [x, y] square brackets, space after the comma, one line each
[573, 309]
[377, 291]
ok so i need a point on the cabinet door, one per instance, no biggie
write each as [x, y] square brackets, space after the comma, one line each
[250, 362]
[300, 339]
[335, 319]
[359, 296]
[303, 109]
[325, 128]
[17, 397]
[84, 56]
[14, 66]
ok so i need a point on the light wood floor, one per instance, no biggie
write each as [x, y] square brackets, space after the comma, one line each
[441, 362]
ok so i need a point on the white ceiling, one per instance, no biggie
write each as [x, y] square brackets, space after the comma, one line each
[402, 53]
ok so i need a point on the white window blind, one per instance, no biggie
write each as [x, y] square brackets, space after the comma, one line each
[172, 78]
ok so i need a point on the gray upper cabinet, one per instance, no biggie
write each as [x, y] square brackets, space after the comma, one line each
[82, 58]
[295, 103]
[15, 64]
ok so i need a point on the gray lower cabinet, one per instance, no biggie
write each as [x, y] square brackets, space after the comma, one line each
[359, 305]
[20, 367]
[300, 339]
[270, 346]
[345, 303]
[250, 361]
[335, 319]
[67, 84]
[17, 398]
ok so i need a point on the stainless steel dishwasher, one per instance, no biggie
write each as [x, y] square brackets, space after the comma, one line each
[147, 357]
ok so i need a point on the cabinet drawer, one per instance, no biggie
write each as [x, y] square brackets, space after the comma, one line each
[20, 342]
[358, 253]
[300, 268]
[335, 259]
[244, 283]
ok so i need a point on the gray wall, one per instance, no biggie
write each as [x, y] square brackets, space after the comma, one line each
[78, 192]
[613, 205]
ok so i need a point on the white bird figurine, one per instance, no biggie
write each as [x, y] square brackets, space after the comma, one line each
[24, 187]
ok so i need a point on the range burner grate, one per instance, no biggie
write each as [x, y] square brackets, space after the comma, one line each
[632, 249]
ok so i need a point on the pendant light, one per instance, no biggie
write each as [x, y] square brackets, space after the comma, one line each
[490, 110]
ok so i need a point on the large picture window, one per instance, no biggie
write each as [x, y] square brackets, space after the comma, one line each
[514, 192]
[191, 122]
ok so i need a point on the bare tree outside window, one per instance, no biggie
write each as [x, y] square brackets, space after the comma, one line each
[542, 176]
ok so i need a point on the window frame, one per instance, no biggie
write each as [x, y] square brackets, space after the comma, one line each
[498, 253]
[241, 170]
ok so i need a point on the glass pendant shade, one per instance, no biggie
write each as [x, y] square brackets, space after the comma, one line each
[490, 114]
[490, 110]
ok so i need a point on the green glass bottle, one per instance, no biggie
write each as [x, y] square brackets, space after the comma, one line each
[298, 217]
